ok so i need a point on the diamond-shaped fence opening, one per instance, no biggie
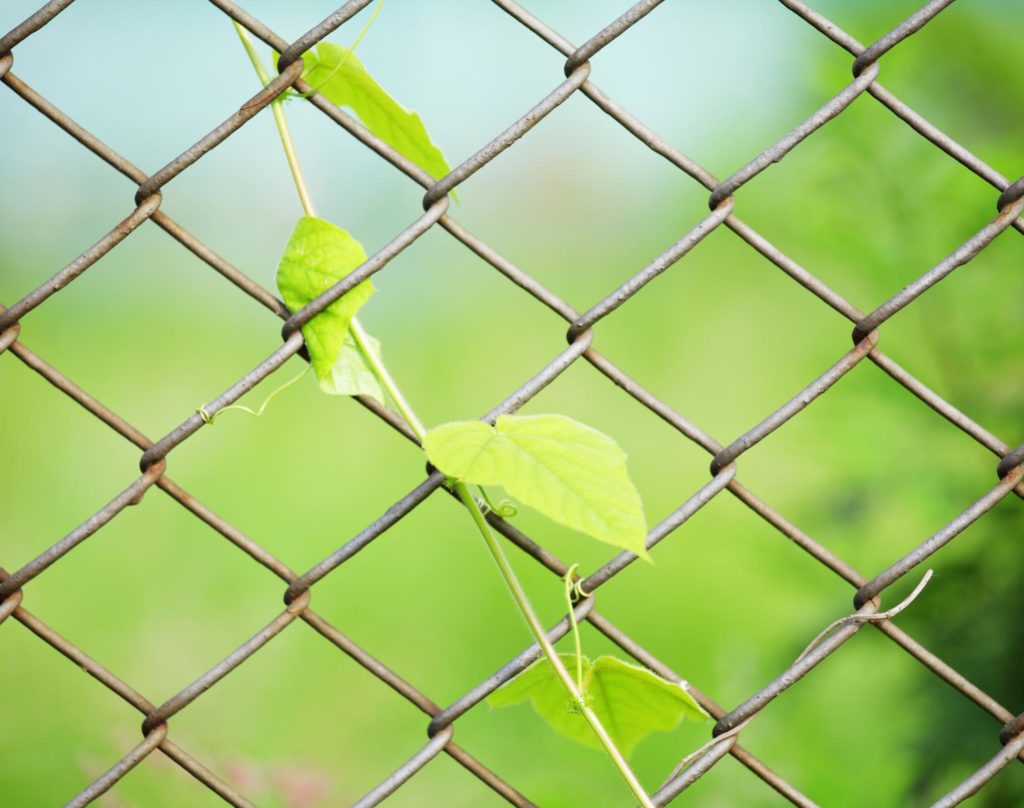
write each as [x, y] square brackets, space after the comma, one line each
[387, 507]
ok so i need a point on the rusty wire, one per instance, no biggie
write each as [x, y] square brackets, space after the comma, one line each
[1008, 201]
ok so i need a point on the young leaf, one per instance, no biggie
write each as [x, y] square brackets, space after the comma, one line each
[630, 701]
[567, 471]
[341, 78]
[351, 375]
[319, 255]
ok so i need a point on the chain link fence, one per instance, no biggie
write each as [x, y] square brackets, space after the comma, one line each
[1008, 463]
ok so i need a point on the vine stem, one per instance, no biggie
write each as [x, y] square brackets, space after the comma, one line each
[282, 125]
[387, 381]
[391, 387]
[358, 333]
[568, 579]
[525, 607]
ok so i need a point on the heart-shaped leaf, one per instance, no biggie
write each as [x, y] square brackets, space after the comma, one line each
[630, 701]
[318, 255]
[570, 472]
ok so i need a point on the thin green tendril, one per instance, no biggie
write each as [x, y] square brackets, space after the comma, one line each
[578, 592]
[570, 589]
[209, 419]
[506, 509]
[343, 62]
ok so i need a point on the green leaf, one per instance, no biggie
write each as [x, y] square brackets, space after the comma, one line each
[318, 255]
[630, 701]
[337, 74]
[351, 375]
[567, 471]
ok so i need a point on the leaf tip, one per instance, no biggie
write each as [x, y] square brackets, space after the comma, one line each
[695, 712]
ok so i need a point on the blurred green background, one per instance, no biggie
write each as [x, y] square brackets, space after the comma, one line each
[724, 337]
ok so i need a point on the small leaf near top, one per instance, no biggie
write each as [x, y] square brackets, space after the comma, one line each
[571, 473]
[318, 255]
[630, 701]
[338, 75]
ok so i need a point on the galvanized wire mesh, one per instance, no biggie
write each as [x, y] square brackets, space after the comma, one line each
[1009, 204]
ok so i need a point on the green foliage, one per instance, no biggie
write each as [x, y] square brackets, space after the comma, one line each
[338, 74]
[318, 255]
[631, 701]
[350, 375]
[574, 474]
[570, 472]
